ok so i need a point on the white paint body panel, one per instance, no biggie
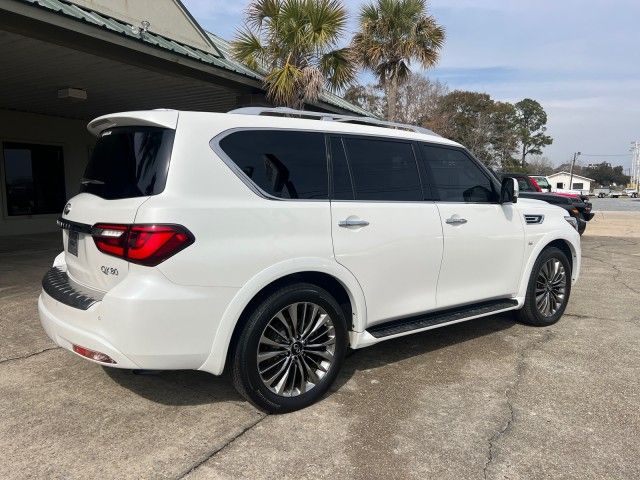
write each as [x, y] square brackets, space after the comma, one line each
[182, 313]
[482, 257]
[396, 258]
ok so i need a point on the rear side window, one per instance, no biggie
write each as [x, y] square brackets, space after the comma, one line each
[383, 170]
[455, 177]
[285, 164]
[129, 162]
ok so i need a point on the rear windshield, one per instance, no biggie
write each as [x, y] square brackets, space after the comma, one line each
[129, 162]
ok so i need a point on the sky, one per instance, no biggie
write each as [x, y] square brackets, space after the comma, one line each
[579, 58]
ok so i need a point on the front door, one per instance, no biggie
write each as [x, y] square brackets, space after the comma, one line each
[383, 230]
[483, 240]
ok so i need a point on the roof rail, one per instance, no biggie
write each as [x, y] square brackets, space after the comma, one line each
[331, 117]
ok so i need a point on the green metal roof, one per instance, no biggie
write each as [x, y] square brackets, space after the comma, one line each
[220, 57]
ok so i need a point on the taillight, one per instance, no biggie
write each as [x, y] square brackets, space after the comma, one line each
[147, 245]
[534, 182]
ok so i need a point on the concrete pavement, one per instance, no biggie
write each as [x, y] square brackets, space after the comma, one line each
[485, 399]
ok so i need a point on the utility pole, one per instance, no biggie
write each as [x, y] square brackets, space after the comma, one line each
[573, 164]
[635, 165]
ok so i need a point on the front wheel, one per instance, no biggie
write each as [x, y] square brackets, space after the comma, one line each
[548, 290]
[290, 349]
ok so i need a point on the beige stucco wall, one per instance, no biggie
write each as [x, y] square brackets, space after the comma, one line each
[166, 18]
[72, 135]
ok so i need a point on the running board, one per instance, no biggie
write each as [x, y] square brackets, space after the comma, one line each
[449, 315]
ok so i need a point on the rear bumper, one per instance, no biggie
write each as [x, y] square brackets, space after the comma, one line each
[74, 329]
[145, 322]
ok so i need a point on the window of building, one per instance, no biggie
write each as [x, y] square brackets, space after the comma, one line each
[282, 163]
[456, 177]
[33, 178]
[578, 186]
[383, 170]
[559, 185]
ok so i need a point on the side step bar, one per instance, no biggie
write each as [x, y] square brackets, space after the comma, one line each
[426, 320]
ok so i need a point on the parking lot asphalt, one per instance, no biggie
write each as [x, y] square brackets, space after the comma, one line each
[484, 399]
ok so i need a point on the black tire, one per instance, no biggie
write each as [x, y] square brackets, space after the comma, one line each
[530, 313]
[244, 368]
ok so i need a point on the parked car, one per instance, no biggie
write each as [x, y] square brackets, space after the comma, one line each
[270, 241]
[578, 206]
[543, 182]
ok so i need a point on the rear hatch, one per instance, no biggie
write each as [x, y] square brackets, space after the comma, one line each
[128, 164]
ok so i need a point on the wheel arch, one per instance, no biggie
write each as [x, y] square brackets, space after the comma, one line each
[336, 279]
[570, 247]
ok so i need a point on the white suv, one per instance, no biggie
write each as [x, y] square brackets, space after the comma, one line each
[271, 241]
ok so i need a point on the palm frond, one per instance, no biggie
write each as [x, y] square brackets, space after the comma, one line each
[247, 47]
[338, 68]
[282, 84]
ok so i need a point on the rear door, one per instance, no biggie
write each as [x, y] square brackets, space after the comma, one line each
[483, 240]
[127, 165]
[383, 230]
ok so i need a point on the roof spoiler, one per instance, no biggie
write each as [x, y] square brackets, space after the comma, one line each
[163, 118]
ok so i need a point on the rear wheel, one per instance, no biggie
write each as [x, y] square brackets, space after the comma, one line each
[291, 349]
[548, 290]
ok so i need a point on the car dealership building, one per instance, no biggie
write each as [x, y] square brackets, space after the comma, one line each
[66, 62]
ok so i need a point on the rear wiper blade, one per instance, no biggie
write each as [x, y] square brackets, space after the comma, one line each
[91, 181]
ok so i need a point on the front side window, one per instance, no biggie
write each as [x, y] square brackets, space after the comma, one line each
[456, 177]
[34, 178]
[383, 170]
[284, 164]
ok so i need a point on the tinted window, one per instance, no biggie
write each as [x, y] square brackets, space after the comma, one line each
[455, 177]
[34, 178]
[383, 170]
[524, 184]
[129, 162]
[342, 186]
[283, 164]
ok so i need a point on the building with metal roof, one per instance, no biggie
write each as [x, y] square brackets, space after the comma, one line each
[68, 61]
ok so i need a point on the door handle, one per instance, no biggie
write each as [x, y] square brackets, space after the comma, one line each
[352, 222]
[456, 220]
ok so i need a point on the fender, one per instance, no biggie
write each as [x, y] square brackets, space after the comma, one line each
[542, 243]
[216, 360]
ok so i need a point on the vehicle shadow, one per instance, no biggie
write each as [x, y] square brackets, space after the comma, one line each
[398, 349]
[188, 387]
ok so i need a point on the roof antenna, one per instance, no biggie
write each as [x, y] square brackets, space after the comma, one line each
[142, 29]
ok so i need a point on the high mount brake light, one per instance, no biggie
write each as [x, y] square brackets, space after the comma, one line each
[147, 245]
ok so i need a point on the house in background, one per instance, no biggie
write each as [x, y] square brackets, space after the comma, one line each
[561, 180]
[67, 62]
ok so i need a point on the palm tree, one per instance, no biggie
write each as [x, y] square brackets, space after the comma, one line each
[294, 42]
[392, 34]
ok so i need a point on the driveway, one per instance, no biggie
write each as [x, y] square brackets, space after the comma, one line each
[484, 399]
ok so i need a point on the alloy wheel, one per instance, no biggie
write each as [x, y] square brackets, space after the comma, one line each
[551, 286]
[296, 349]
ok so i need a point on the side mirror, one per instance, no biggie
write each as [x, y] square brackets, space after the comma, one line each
[509, 190]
